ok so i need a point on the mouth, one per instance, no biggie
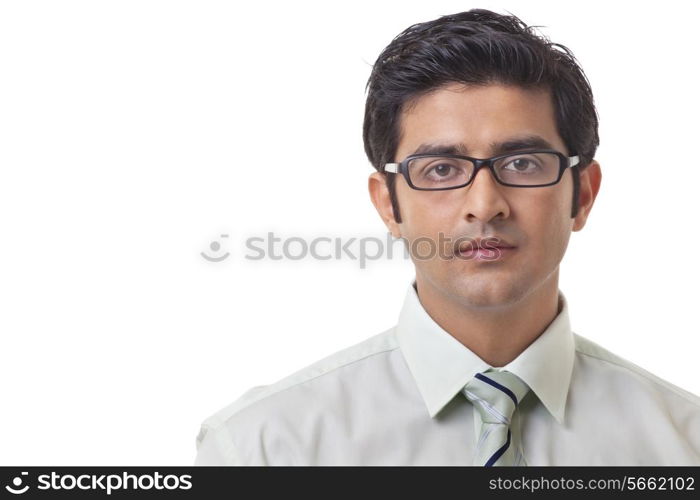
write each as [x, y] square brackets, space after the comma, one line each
[485, 249]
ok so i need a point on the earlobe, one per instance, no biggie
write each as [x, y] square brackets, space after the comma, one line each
[379, 194]
[591, 177]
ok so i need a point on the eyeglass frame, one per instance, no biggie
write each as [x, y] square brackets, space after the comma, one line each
[402, 167]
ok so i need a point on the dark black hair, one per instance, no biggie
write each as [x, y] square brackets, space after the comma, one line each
[478, 47]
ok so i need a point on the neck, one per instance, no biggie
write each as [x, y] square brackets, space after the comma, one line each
[497, 334]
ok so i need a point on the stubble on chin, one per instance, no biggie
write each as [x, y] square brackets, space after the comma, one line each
[483, 291]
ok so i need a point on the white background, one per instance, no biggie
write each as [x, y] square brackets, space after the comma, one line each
[134, 133]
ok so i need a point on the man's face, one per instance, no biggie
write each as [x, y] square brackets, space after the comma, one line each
[536, 221]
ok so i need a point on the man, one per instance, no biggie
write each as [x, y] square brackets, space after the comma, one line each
[483, 136]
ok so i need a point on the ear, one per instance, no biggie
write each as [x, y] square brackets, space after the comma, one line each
[379, 193]
[590, 184]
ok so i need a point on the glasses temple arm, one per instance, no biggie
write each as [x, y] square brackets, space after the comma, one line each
[391, 167]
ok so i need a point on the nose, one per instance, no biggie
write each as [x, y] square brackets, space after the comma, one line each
[484, 199]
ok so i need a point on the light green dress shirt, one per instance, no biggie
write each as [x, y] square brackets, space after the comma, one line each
[394, 399]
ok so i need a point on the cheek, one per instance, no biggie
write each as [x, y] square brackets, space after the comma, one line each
[424, 213]
[548, 220]
[424, 220]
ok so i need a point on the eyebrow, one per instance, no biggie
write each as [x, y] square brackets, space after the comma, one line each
[496, 148]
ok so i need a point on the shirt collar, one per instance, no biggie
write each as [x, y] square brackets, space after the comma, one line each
[442, 366]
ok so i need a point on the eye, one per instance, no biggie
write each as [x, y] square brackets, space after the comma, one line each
[522, 164]
[440, 170]
[430, 171]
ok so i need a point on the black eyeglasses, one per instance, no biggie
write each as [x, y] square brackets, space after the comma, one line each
[434, 172]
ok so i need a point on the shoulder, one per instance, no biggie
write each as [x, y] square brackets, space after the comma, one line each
[320, 371]
[621, 368]
[278, 423]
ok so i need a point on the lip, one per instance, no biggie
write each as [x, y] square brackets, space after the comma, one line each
[487, 254]
[485, 242]
[485, 249]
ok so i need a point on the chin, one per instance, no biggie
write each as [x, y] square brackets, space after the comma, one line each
[489, 292]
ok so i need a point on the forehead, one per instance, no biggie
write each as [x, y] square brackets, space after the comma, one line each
[477, 118]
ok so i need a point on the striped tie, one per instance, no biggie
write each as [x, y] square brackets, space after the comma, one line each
[495, 395]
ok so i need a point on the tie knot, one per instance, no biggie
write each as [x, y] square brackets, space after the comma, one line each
[495, 395]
